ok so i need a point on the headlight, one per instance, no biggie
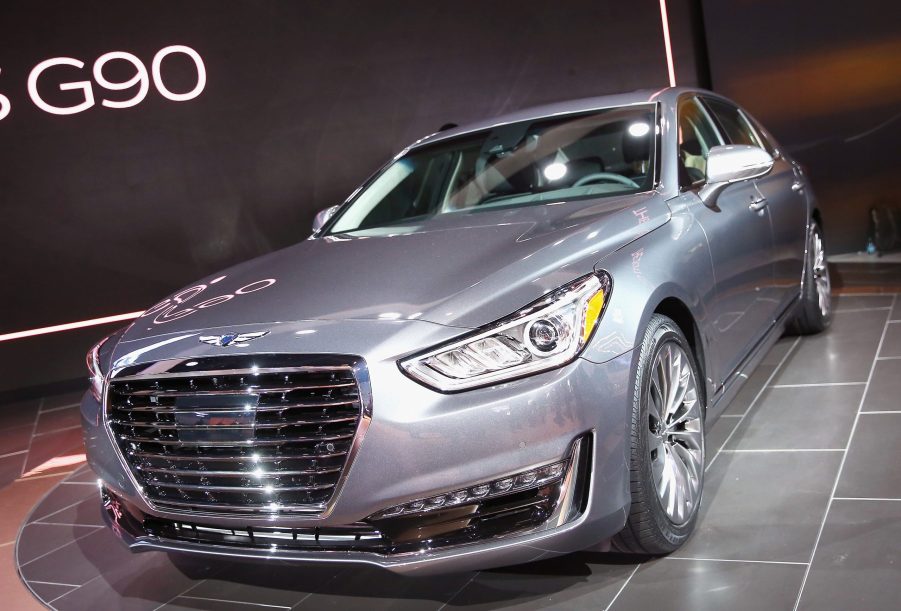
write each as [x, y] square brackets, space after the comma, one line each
[93, 360]
[546, 334]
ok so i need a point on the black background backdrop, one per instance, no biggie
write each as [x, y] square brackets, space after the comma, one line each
[109, 210]
[825, 77]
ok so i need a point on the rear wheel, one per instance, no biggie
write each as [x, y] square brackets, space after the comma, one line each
[815, 308]
[667, 435]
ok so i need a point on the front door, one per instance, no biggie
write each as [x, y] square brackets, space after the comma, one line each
[741, 245]
[785, 202]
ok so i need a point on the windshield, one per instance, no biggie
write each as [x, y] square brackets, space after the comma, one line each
[587, 155]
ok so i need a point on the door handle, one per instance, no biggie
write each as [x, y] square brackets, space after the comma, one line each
[757, 205]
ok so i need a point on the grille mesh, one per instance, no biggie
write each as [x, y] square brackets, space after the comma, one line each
[275, 440]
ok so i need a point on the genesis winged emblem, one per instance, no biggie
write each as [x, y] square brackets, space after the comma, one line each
[237, 340]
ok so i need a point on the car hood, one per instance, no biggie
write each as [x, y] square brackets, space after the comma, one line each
[459, 270]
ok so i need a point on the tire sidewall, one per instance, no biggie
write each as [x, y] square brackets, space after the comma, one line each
[816, 321]
[660, 332]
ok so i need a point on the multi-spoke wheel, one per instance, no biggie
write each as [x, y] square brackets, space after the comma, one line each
[675, 433]
[821, 274]
[667, 457]
[815, 307]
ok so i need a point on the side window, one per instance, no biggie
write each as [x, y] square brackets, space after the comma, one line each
[697, 136]
[733, 123]
[766, 139]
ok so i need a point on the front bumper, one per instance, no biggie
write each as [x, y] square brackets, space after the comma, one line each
[421, 443]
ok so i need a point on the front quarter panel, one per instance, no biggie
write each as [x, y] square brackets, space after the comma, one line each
[672, 261]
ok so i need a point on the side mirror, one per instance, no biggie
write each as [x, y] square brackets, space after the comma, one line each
[732, 163]
[323, 216]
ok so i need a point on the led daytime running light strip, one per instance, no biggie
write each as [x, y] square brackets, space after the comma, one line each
[526, 480]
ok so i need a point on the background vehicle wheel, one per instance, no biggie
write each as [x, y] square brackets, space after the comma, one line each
[815, 309]
[667, 459]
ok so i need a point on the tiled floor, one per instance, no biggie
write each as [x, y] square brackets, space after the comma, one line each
[802, 510]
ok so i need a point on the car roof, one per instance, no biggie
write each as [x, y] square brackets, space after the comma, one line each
[641, 96]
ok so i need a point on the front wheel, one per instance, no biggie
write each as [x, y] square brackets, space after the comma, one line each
[667, 435]
[814, 311]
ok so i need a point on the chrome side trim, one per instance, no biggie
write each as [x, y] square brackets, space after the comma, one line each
[564, 510]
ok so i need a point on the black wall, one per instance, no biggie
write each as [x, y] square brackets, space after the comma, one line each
[108, 210]
[825, 77]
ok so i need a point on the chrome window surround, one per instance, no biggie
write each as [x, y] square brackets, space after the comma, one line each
[165, 367]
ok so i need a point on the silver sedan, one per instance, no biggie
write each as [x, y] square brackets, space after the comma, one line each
[505, 345]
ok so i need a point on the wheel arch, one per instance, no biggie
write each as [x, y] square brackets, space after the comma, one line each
[679, 312]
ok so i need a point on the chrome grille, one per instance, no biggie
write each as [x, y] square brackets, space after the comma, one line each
[210, 436]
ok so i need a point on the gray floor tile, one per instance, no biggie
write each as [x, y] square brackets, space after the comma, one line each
[891, 346]
[818, 417]
[718, 433]
[749, 390]
[854, 302]
[55, 504]
[39, 539]
[87, 513]
[366, 588]
[278, 585]
[129, 581]
[577, 581]
[857, 563]
[69, 398]
[779, 350]
[763, 506]
[871, 468]
[758, 377]
[71, 564]
[11, 468]
[884, 392]
[20, 413]
[82, 474]
[697, 585]
[58, 419]
[51, 445]
[896, 312]
[844, 353]
[50, 591]
[15, 438]
[212, 604]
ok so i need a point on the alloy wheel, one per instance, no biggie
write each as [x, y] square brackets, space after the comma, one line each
[821, 275]
[675, 433]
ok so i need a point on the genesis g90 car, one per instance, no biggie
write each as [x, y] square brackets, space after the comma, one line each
[505, 345]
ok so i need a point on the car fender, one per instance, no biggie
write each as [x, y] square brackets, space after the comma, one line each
[671, 262]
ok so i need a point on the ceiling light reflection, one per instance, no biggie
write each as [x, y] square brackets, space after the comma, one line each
[639, 129]
[555, 171]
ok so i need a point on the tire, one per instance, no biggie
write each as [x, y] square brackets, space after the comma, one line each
[814, 313]
[658, 522]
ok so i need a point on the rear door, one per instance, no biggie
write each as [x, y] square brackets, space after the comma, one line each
[740, 245]
[783, 188]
